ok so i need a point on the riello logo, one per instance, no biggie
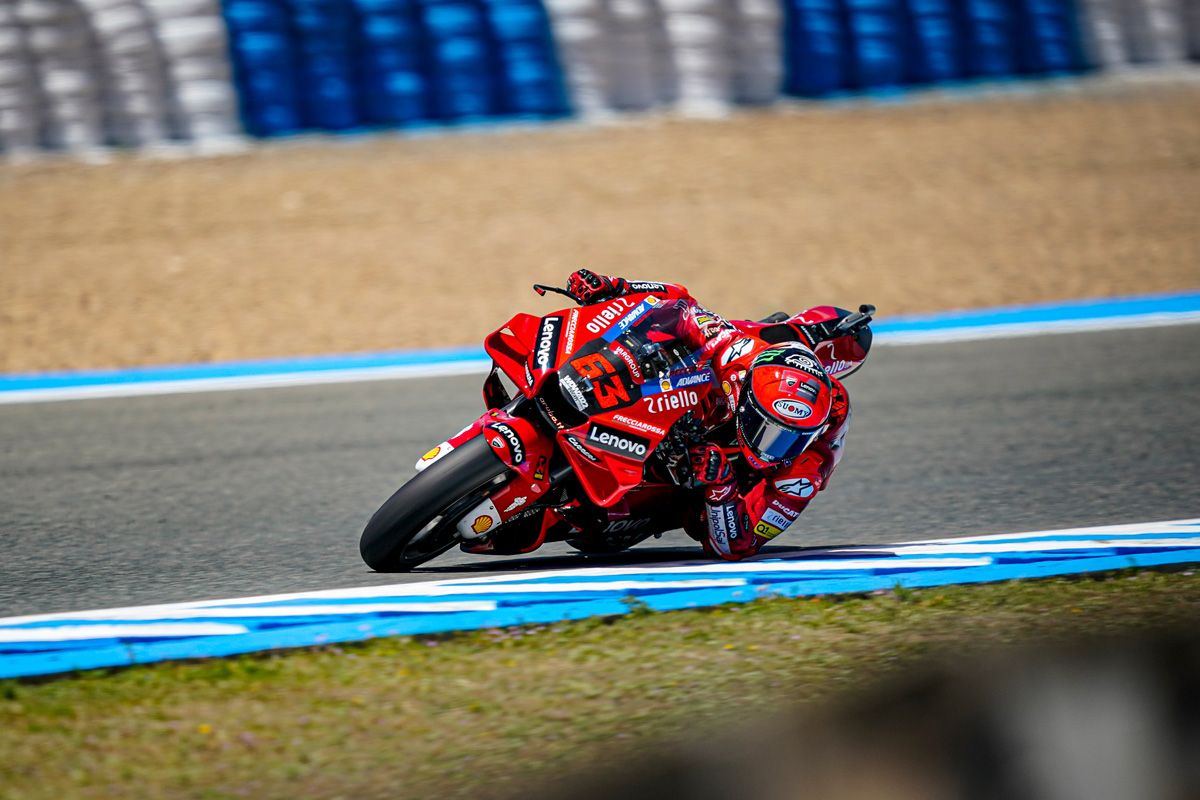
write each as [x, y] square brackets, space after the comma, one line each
[610, 312]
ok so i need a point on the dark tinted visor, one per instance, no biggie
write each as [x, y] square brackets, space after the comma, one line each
[769, 440]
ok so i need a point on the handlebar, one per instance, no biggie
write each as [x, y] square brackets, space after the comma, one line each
[855, 321]
[541, 289]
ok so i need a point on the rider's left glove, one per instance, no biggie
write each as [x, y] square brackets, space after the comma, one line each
[711, 468]
[588, 287]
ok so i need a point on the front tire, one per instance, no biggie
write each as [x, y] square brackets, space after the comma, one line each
[419, 521]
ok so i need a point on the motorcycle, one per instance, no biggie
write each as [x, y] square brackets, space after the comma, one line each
[590, 445]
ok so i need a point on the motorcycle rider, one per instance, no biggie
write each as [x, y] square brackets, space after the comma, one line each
[779, 408]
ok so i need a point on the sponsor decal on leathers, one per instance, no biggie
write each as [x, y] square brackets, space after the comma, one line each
[791, 513]
[515, 446]
[773, 517]
[722, 526]
[646, 286]
[547, 343]
[736, 350]
[618, 442]
[720, 493]
[766, 530]
[796, 487]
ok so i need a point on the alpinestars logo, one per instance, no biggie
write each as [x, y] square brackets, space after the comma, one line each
[736, 350]
[547, 343]
[796, 487]
[618, 442]
[514, 442]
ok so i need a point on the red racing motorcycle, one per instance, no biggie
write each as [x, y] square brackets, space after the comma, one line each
[588, 446]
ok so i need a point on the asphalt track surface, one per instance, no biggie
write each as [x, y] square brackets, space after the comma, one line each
[162, 499]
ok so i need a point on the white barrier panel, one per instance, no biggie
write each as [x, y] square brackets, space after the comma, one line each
[1117, 33]
[1154, 30]
[78, 75]
[1103, 40]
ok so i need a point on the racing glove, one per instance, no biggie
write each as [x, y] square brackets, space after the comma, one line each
[710, 467]
[728, 536]
[587, 287]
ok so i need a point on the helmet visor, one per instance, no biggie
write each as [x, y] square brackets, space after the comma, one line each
[769, 440]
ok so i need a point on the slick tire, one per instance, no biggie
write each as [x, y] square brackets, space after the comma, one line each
[418, 522]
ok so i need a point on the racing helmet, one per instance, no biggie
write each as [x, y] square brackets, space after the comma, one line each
[784, 404]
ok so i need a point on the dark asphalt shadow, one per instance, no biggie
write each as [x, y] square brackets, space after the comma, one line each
[648, 557]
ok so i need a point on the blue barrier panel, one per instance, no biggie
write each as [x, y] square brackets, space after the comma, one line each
[987, 38]
[1048, 36]
[264, 60]
[528, 74]
[932, 52]
[326, 70]
[460, 56]
[874, 50]
[814, 44]
[393, 76]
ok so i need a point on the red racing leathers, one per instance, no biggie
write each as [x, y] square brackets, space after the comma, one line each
[743, 508]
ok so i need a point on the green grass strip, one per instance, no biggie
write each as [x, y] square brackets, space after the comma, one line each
[484, 712]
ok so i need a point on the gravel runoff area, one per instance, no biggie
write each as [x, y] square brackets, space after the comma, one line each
[385, 242]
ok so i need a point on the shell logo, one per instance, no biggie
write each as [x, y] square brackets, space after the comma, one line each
[432, 454]
[482, 524]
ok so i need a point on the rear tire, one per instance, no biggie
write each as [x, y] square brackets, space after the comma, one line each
[419, 521]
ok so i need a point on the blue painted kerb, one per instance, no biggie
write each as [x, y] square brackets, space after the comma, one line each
[1047, 313]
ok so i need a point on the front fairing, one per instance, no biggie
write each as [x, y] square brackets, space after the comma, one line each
[621, 372]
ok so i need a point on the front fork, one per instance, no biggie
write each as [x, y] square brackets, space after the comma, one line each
[527, 452]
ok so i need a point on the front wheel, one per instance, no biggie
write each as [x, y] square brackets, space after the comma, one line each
[419, 521]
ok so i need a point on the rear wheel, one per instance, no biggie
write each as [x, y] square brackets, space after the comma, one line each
[419, 521]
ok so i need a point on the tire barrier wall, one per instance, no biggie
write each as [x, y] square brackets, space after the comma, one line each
[79, 75]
